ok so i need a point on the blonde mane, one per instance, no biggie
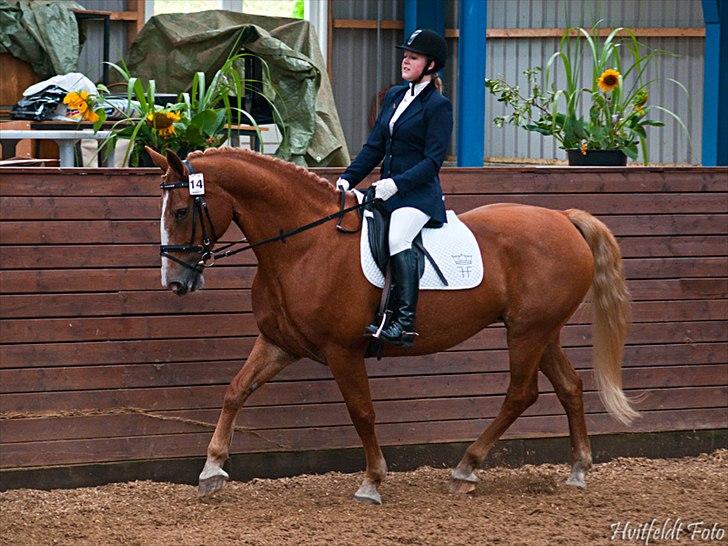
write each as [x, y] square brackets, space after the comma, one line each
[272, 163]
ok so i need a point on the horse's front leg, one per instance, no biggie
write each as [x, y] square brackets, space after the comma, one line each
[351, 376]
[264, 362]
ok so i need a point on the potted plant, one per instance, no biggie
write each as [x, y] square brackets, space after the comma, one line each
[615, 103]
[199, 119]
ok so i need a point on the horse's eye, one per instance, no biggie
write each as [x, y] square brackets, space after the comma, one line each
[180, 213]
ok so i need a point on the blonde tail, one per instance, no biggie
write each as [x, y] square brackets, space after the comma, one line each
[610, 300]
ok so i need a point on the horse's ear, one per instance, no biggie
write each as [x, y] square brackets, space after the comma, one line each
[175, 163]
[158, 159]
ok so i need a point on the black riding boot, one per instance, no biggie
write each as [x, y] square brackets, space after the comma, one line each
[405, 277]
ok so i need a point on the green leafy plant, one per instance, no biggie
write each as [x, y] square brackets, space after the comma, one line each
[617, 101]
[201, 118]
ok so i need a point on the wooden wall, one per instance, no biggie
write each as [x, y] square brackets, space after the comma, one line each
[99, 363]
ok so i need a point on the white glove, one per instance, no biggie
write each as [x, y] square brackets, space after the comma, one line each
[342, 185]
[385, 189]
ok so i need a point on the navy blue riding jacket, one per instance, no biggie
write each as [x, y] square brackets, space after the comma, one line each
[412, 154]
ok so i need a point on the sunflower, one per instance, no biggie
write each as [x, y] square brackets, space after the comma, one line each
[163, 121]
[90, 115]
[609, 79]
[77, 103]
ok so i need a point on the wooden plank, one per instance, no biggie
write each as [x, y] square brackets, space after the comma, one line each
[599, 204]
[147, 231]
[669, 268]
[228, 348]
[80, 208]
[651, 32]
[40, 306]
[326, 391]
[667, 224]
[667, 246]
[104, 232]
[97, 256]
[532, 179]
[45, 281]
[384, 24]
[525, 33]
[565, 180]
[146, 255]
[664, 311]
[116, 352]
[55, 183]
[124, 16]
[104, 280]
[244, 324]
[677, 289]
[29, 454]
[220, 372]
[317, 415]
[578, 335]
[640, 290]
[124, 303]
[127, 208]
[119, 328]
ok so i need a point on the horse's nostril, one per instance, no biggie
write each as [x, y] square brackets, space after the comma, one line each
[176, 287]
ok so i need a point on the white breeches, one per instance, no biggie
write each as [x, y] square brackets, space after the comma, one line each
[404, 225]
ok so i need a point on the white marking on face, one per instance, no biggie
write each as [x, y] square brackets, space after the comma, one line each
[164, 237]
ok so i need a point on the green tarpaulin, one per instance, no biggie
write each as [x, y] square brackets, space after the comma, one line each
[43, 33]
[172, 47]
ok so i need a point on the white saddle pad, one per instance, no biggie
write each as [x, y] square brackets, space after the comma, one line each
[453, 247]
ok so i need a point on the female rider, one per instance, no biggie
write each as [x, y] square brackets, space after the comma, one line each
[411, 134]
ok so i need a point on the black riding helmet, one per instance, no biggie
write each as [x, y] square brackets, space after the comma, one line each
[430, 44]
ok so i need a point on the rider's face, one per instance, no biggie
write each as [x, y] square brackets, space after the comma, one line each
[412, 65]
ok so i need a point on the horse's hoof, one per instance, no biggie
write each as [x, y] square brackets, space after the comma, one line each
[209, 486]
[461, 487]
[367, 493]
[577, 480]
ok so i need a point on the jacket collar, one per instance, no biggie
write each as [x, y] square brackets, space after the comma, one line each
[413, 108]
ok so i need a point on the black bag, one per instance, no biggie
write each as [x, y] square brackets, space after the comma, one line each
[39, 106]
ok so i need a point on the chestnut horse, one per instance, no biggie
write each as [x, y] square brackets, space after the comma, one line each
[311, 299]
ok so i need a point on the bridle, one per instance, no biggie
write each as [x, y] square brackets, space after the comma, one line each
[207, 256]
[199, 210]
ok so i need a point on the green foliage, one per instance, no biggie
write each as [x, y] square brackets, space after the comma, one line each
[298, 10]
[617, 101]
[201, 118]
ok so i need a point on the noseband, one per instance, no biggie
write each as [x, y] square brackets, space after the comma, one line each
[201, 211]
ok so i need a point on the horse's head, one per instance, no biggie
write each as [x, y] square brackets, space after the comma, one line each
[190, 224]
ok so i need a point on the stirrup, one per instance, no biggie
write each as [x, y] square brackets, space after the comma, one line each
[405, 339]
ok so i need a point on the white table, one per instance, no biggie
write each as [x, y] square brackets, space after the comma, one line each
[66, 141]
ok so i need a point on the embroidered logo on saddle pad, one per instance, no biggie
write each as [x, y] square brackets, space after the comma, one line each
[454, 249]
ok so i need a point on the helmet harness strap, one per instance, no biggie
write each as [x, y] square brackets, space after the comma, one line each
[425, 72]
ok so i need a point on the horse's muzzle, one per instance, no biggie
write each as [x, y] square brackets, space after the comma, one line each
[190, 284]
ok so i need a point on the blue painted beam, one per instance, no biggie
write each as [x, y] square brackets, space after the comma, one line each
[470, 121]
[715, 87]
[424, 14]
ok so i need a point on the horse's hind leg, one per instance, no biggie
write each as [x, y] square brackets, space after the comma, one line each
[351, 377]
[567, 385]
[263, 363]
[525, 353]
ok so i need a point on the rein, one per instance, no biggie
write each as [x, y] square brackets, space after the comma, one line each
[207, 256]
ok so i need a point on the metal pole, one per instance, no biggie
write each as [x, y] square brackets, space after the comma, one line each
[471, 84]
[107, 33]
[715, 87]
